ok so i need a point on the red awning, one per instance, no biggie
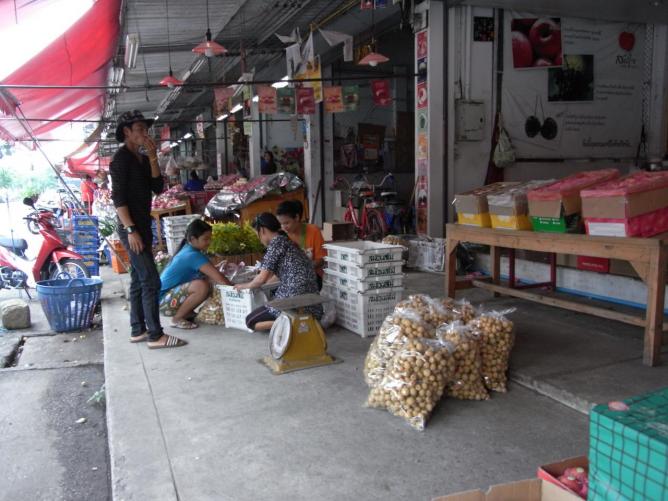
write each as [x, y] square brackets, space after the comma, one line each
[78, 57]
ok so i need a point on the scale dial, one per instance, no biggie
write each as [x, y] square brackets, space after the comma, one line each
[279, 337]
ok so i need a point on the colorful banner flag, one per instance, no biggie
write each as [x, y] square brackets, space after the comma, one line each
[333, 99]
[305, 101]
[267, 96]
[380, 90]
[351, 97]
[286, 100]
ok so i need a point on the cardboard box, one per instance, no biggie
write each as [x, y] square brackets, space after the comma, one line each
[525, 490]
[597, 264]
[475, 201]
[483, 220]
[333, 231]
[628, 197]
[564, 224]
[644, 226]
[562, 198]
[552, 472]
[517, 222]
[512, 201]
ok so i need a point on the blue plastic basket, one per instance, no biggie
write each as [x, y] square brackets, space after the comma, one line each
[69, 305]
[79, 222]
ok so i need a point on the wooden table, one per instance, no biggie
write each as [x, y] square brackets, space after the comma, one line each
[172, 211]
[648, 256]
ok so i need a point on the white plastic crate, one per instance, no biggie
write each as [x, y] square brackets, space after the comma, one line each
[173, 244]
[362, 252]
[362, 284]
[175, 225]
[362, 313]
[366, 271]
[238, 304]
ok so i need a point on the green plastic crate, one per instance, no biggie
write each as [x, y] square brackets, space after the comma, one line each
[628, 450]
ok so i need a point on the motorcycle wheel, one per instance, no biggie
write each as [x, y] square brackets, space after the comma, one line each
[33, 227]
[71, 268]
[376, 228]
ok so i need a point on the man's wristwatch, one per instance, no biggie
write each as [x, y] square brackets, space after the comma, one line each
[131, 229]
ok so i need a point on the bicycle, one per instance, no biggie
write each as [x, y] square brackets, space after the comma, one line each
[370, 222]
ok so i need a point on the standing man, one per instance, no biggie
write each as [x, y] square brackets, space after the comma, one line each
[134, 175]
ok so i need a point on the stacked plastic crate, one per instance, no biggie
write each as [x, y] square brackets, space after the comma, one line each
[86, 241]
[365, 282]
[175, 230]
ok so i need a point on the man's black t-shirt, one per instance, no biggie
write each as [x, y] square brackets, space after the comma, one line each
[131, 186]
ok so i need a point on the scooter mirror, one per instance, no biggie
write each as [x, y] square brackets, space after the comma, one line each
[29, 202]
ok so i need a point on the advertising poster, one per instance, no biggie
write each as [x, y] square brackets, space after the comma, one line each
[334, 99]
[313, 69]
[267, 99]
[536, 42]
[423, 146]
[248, 128]
[351, 97]
[422, 121]
[305, 101]
[422, 203]
[421, 44]
[590, 106]
[286, 100]
[421, 95]
[221, 100]
[199, 126]
[380, 89]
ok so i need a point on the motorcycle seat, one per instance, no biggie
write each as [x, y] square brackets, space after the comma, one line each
[18, 244]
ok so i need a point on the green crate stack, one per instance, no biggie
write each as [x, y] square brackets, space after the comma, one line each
[628, 450]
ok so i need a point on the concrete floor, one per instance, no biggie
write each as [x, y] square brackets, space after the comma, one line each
[209, 422]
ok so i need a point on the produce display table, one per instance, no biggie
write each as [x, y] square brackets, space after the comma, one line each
[172, 211]
[648, 256]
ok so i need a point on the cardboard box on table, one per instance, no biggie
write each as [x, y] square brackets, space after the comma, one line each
[557, 207]
[551, 472]
[472, 208]
[524, 490]
[509, 207]
[633, 206]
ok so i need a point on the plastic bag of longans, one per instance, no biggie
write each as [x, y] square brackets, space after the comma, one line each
[415, 380]
[497, 338]
[432, 311]
[466, 383]
[397, 329]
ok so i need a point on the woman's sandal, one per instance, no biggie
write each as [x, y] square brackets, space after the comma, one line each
[171, 342]
[184, 324]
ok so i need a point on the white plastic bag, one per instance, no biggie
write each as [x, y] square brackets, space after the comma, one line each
[504, 153]
[329, 314]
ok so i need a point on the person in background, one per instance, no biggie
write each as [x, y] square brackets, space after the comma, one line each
[135, 177]
[284, 260]
[88, 188]
[195, 183]
[184, 280]
[307, 236]
[267, 165]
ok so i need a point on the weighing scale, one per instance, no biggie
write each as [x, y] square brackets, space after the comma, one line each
[296, 340]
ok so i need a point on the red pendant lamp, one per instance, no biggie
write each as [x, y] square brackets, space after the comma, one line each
[170, 80]
[373, 58]
[209, 48]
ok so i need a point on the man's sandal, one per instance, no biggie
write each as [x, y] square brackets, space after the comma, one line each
[172, 342]
[139, 338]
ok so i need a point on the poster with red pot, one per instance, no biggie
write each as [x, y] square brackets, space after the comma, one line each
[421, 44]
[587, 107]
[421, 95]
[536, 42]
[267, 99]
[380, 89]
[334, 99]
[305, 101]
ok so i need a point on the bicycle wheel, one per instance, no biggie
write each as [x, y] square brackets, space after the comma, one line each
[375, 228]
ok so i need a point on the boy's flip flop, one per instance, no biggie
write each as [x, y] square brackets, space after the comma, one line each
[172, 342]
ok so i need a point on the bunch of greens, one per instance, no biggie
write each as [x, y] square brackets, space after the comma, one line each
[229, 239]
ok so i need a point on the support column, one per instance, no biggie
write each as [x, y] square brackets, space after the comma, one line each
[313, 163]
[254, 147]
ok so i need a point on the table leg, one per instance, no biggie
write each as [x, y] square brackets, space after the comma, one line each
[511, 269]
[495, 257]
[451, 267]
[553, 271]
[656, 288]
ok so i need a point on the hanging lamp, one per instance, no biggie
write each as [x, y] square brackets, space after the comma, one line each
[170, 80]
[373, 58]
[209, 48]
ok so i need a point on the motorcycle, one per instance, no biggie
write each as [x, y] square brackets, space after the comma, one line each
[54, 260]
